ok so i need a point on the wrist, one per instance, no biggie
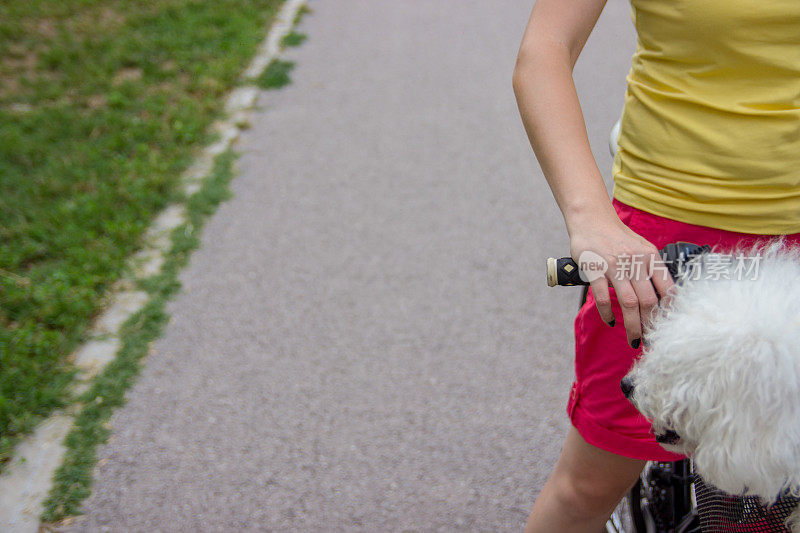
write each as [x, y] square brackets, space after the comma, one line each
[588, 212]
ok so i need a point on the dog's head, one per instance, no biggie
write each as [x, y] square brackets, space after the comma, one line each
[720, 376]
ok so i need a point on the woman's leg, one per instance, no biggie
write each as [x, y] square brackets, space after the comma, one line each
[585, 486]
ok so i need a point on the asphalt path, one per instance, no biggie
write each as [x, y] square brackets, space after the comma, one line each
[364, 340]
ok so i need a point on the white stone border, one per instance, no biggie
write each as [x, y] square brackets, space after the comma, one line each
[26, 481]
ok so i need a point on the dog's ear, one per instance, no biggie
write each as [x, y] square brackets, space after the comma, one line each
[741, 458]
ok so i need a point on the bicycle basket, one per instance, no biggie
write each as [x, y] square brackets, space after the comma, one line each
[724, 513]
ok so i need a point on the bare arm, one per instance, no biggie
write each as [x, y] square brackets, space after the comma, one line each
[550, 110]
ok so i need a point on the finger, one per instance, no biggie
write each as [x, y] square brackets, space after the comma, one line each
[629, 304]
[602, 300]
[648, 300]
[661, 279]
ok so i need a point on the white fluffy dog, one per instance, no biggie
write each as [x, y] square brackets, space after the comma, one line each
[720, 376]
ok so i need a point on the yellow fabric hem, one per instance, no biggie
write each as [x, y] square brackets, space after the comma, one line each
[710, 220]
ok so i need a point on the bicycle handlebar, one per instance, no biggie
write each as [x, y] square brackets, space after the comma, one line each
[566, 273]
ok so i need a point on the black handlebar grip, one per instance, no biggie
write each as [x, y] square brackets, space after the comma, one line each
[565, 271]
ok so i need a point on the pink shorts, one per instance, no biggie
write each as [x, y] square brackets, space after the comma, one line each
[596, 406]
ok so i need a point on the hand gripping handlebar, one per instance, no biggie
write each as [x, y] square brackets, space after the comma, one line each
[565, 271]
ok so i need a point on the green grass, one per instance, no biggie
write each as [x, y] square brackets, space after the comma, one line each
[102, 105]
[304, 10]
[72, 481]
[293, 39]
[276, 75]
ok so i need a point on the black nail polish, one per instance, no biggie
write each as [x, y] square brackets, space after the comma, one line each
[612, 323]
[635, 343]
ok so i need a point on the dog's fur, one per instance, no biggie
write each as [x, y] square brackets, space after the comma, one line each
[722, 370]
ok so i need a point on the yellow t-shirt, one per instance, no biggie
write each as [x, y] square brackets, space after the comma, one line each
[710, 132]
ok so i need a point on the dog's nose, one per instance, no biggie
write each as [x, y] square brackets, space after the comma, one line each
[669, 437]
[627, 386]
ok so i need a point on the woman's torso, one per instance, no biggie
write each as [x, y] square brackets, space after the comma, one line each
[710, 131]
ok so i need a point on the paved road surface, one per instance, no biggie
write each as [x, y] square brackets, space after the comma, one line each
[365, 341]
